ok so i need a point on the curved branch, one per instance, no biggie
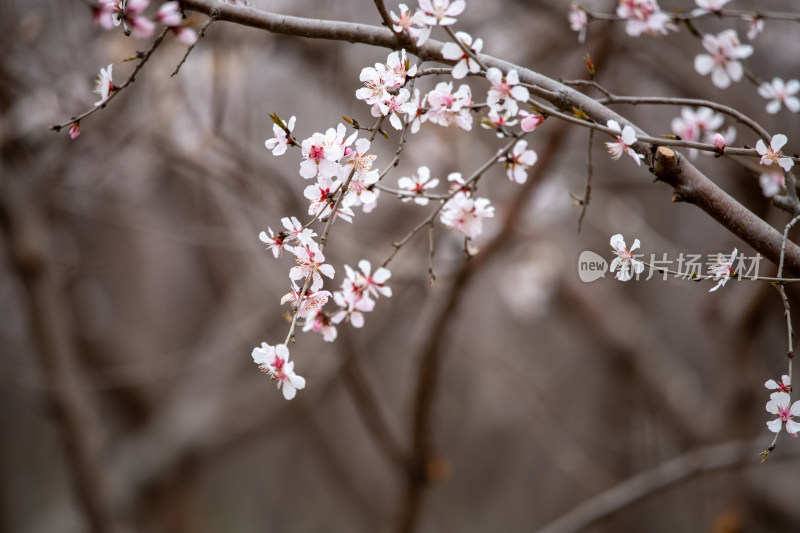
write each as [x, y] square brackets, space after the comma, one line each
[648, 483]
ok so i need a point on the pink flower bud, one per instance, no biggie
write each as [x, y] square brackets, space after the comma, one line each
[74, 130]
[719, 142]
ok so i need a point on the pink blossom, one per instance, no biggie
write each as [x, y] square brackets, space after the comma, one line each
[578, 20]
[519, 161]
[784, 386]
[323, 153]
[505, 90]
[274, 360]
[412, 24]
[415, 111]
[644, 16]
[465, 64]
[281, 140]
[311, 300]
[130, 16]
[352, 306]
[74, 130]
[778, 404]
[625, 261]
[722, 60]
[529, 121]
[319, 322]
[310, 264]
[771, 183]
[723, 269]
[448, 107]
[772, 154]
[417, 185]
[276, 243]
[368, 283]
[755, 25]
[105, 85]
[498, 122]
[622, 145]
[465, 214]
[398, 69]
[779, 93]
[441, 12]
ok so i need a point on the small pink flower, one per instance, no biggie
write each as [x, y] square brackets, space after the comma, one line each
[281, 140]
[417, 186]
[778, 404]
[529, 121]
[622, 145]
[719, 143]
[519, 161]
[772, 183]
[784, 386]
[779, 93]
[625, 261]
[310, 264]
[441, 12]
[105, 85]
[465, 64]
[465, 214]
[274, 360]
[772, 154]
[505, 91]
[578, 20]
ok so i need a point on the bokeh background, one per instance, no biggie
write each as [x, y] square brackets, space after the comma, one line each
[133, 288]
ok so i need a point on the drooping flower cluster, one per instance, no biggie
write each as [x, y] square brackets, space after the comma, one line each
[779, 405]
[722, 60]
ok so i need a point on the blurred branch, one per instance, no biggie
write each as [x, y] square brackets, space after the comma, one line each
[26, 238]
[701, 460]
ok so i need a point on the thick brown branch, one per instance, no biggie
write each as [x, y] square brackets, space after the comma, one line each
[691, 186]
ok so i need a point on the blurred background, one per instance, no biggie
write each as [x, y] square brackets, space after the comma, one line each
[133, 288]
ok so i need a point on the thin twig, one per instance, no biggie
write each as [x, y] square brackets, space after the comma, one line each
[142, 60]
[587, 192]
[200, 35]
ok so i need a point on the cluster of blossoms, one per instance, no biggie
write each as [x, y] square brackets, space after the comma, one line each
[274, 360]
[110, 14]
[779, 404]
